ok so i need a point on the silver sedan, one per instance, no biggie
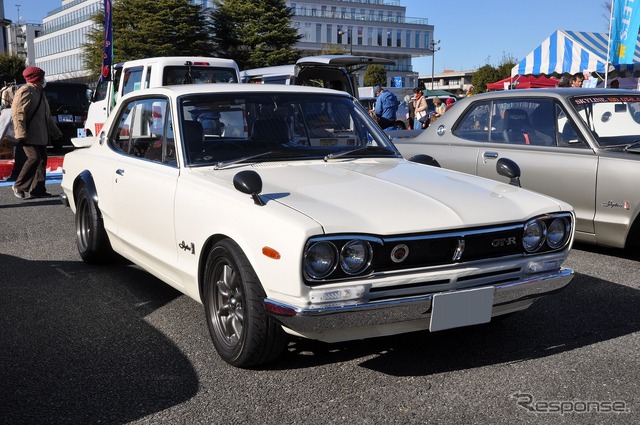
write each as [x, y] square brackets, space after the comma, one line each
[578, 145]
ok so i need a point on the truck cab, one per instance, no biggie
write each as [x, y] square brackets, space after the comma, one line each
[154, 72]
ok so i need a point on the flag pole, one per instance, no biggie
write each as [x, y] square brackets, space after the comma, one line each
[606, 71]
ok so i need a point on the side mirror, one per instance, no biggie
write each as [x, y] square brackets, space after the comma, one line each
[426, 160]
[508, 168]
[249, 182]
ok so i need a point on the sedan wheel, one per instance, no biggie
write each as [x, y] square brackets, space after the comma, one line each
[243, 334]
[91, 238]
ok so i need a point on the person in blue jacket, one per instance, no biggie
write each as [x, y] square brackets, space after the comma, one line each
[386, 107]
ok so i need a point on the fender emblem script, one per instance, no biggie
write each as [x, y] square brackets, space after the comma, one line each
[191, 247]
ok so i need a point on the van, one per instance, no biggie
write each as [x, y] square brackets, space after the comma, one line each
[328, 71]
[155, 72]
[69, 103]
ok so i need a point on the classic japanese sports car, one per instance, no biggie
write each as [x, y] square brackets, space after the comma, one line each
[578, 145]
[286, 210]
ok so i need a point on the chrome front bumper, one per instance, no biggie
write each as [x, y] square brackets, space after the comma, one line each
[318, 320]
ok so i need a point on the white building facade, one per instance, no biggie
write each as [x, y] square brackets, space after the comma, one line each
[364, 27]
[59, 50]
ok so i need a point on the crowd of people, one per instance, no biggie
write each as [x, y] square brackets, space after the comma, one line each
[421, 111]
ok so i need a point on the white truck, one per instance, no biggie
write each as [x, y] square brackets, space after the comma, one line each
[155, 72]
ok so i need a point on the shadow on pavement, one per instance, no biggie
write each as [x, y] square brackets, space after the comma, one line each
[73, 339]
[588, 311]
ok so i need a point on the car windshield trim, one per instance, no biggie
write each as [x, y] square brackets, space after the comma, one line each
[222, 129]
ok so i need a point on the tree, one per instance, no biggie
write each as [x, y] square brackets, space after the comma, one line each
[11, 68]
[149, 28]
[506, 65]
[483, 76]
[255, 33]
[375, 75]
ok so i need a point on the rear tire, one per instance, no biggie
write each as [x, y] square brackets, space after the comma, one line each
[91, 238]
[242, 332]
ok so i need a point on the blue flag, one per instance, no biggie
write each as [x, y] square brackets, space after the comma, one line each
[107, 54]
[624, 30]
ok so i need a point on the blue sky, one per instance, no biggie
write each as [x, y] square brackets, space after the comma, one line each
[472, 33]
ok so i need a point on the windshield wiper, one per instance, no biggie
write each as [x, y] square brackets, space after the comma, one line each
[223, 164]
[361, 148]
[632, 146]
[275, 155]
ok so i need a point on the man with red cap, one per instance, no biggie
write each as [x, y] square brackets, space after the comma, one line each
[33, 126]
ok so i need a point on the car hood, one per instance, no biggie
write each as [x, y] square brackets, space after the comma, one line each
[392, 196]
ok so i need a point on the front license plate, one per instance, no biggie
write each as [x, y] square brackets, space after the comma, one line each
[65, 118]
[463, 308]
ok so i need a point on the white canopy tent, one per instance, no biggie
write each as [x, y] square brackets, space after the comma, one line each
[569, 52]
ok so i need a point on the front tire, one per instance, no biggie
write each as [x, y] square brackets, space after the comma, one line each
[91, 238]
[242, 332]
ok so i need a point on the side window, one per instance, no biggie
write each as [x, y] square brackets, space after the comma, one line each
[145, 130]
[147, 78]
[568, 134]
[476, 123]
[161, 146]
[528, 121]
[132, 79]
[121, 135]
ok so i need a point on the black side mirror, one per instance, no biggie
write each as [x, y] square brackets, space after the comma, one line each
[508, 168]
[249, 182]
[425, 159]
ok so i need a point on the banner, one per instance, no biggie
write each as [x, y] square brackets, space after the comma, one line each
[107, 54]
[624, 30]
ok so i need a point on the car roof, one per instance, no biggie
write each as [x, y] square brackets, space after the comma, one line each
[556, 92]
[183, 89]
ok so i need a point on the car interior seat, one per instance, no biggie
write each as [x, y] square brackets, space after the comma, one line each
[193, 135]
[270, 130]
[516, 128]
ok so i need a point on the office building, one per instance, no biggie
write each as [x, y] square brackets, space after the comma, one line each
[362, 27]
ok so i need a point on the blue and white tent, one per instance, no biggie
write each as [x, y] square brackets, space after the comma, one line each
[568, 52]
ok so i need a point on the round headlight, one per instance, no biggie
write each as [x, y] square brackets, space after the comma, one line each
[355, 256]
[534, 233]
[320, 259]
[557, 233]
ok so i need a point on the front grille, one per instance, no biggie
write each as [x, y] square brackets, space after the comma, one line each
[437, 249]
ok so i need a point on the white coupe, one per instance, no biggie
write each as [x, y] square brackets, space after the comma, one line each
[285, 210]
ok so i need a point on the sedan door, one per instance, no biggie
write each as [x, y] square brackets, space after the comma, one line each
[553, 158]
[145, 184]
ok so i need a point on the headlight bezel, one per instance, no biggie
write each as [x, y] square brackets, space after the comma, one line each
[565, 222]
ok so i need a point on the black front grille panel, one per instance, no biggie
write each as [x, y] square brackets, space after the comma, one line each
[434, 250]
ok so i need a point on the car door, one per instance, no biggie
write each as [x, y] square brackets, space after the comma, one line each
[145, 184]
[533, 133]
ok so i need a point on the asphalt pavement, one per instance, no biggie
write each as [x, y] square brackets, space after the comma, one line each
[82, 344]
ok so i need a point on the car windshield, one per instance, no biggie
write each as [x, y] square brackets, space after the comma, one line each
[614, 120]
[224, 129]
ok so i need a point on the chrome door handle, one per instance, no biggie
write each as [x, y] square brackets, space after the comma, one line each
[120, 172]
[491, 155]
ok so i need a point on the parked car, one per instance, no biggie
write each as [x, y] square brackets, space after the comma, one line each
[69, 103]
[336, 72]
[286, 210]
[578, 145]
